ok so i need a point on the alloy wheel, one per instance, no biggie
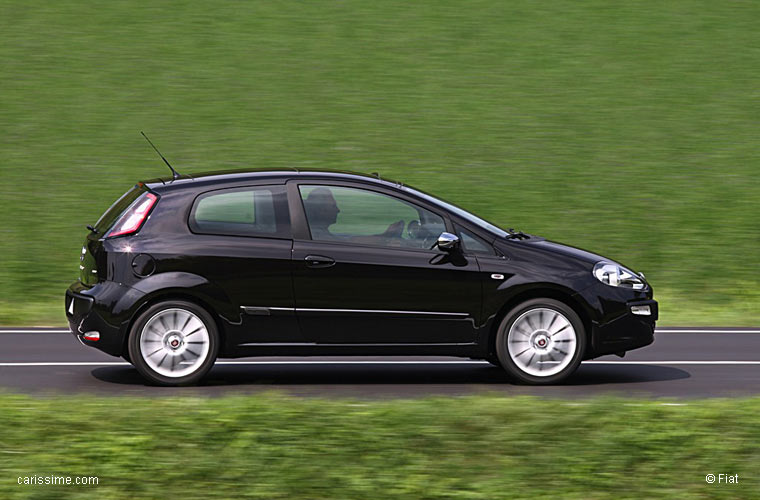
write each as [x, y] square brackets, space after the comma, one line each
[174, 342]
[542, 342]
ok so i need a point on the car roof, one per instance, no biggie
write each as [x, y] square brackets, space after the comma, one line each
[234, 178]
[231, 177]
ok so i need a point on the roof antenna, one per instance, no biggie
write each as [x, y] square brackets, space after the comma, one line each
[175, 174]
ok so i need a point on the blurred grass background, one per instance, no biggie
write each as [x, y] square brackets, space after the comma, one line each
[484, 447]
[628, 129]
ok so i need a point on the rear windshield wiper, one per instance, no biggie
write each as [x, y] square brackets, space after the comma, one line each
[516, 235]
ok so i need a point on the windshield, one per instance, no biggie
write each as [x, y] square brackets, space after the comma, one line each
[474, 219]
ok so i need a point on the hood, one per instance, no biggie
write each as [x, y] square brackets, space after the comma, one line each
[578, 253]
[558, 249]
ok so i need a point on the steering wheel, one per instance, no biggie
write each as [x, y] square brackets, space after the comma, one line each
[427, 238]
[417, 234]
[413, 229]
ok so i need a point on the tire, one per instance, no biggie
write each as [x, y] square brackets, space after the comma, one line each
[541, 341]
[159, 346]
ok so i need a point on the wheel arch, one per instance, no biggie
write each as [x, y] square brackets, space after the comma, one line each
[561, 295]
[174, 294]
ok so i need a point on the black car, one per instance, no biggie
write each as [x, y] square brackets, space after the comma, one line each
[180, 271]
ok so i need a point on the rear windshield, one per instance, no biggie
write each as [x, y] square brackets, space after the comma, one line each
[112, 214]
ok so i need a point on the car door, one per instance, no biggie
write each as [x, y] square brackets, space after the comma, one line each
[242, 243]
[364, 271]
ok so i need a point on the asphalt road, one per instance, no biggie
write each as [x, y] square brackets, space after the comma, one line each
[682, 363]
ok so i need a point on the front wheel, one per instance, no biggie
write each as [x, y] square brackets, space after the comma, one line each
[174, 343]
[541, 341]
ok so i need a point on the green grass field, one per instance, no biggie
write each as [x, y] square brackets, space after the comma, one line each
[483, 447]
[628, 129]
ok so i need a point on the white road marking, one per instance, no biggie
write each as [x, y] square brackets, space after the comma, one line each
[35, 331]
[372, 362]
[672, 362]
[707, 331]
[679, 330]
[65, 363]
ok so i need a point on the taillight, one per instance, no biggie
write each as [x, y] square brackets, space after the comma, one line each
[134, 217]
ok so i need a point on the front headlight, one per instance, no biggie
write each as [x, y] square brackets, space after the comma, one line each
[616, 275]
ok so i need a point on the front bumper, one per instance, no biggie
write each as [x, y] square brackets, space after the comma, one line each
[629, 331]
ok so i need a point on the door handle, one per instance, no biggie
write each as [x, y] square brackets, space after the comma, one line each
[319, 261]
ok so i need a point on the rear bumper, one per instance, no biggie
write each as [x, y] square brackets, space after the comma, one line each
[95, 309]
[627, 332]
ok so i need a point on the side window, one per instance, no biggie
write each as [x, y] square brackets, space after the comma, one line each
[367, 217]
[250, 211]
[472, 243]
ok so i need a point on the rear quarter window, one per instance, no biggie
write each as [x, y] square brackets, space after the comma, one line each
[250, 211]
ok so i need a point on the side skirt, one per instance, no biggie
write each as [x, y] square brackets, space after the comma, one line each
[471, 350]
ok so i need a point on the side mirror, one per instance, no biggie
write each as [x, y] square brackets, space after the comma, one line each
[447, 241]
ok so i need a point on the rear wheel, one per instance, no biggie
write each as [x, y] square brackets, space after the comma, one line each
[174, 343]
[541, 341]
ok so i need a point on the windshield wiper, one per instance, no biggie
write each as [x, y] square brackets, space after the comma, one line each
[516, 235]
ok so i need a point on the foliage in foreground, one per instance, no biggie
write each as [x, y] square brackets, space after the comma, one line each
[482, 447]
